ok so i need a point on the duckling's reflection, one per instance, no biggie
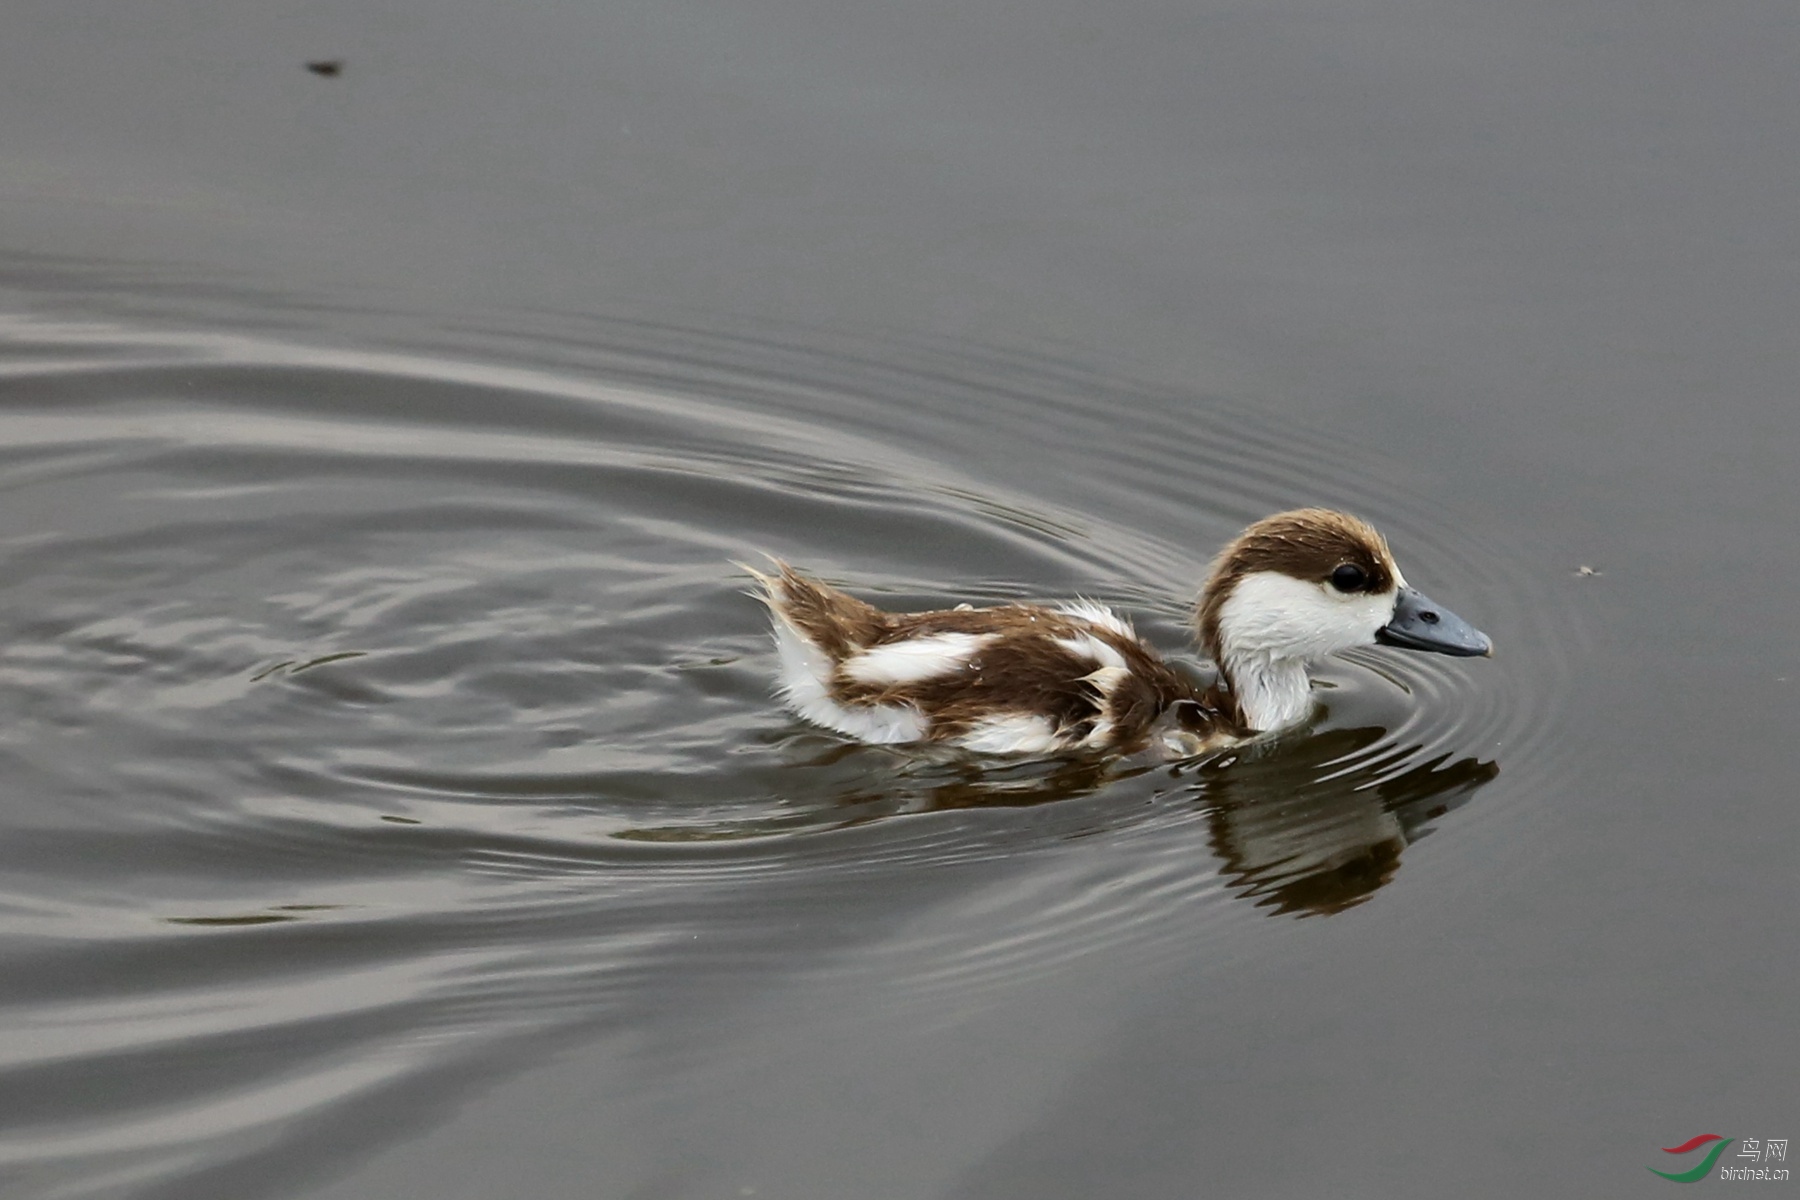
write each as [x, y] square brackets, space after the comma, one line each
[1308, 825]
[957, 780]
[1319, 826]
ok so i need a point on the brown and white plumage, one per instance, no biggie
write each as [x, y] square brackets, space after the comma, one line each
[1031, 679]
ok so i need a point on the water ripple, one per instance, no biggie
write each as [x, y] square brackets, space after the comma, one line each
[368, 710]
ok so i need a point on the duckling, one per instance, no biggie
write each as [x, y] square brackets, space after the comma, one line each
[1035, 679]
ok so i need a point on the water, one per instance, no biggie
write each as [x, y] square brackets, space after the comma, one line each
[395, 803]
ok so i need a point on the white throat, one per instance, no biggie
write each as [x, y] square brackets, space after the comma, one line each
[1271, 693]
[1272, 625]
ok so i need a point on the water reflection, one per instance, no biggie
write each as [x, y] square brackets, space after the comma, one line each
[1307, 825]
[962, 781]
[1319, 826]
[823, 784]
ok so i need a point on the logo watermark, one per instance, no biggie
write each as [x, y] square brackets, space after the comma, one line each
[1757, 1151]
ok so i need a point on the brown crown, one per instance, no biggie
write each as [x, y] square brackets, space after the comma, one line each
[1307, 543]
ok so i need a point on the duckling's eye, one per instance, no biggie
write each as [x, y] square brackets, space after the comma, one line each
[1349, 578]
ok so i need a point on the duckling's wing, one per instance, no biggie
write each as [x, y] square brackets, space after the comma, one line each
[1016, 679]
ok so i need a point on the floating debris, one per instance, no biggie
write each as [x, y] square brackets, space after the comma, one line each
[330, 68]
[279, 913]
[1586, 572]
[294, 666]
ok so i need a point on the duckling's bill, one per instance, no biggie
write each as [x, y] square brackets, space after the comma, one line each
[1421, 623]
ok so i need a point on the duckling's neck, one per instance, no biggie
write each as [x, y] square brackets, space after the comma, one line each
[1270, 693]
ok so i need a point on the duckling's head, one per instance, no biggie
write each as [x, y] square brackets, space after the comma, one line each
[1304, 584]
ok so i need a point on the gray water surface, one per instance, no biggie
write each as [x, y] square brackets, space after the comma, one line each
[394, 803]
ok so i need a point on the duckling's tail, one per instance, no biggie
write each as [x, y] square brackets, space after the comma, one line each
[834, 621]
